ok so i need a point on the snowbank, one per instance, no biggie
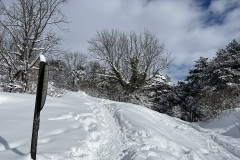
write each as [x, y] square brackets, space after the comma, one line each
[79, 127]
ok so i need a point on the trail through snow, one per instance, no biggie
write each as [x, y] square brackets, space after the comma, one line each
[105, 133]
[79, 127]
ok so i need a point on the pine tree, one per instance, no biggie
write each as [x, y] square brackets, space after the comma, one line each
[213, 86]
[196, 79]
[225, 66]
[222, 91]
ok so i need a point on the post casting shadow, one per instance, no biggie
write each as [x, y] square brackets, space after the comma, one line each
[7, 147]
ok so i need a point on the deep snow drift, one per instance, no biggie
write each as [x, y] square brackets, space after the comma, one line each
[79, 127]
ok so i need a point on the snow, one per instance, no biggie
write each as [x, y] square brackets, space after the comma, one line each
[42, 58]
[79, 127]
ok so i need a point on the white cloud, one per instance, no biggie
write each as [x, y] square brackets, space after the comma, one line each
[179, 24]
[221, 6]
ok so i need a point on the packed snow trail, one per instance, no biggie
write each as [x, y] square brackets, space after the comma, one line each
[79, 127]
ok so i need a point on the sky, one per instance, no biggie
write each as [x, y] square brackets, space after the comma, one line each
[188, 28]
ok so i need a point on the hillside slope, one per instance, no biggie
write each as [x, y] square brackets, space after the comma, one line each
[79, 127]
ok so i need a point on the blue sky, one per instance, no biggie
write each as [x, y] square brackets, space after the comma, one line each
[188, 28]
[217, 18]
[204, 3]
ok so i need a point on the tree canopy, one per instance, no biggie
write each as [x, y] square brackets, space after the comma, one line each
[133, 58]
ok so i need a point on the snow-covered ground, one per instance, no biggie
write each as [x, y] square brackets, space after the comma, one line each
[79, 127]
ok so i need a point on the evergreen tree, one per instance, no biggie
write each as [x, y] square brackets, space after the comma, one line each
[196, 79]
[223, 88]
[225, 67]
[213, 86]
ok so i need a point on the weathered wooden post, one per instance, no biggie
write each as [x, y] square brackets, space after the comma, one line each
[40, 100]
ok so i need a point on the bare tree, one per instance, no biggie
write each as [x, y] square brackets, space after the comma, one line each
[132, 58]
[75, 62]
[27, 29]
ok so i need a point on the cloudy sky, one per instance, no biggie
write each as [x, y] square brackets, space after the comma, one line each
[188, 28]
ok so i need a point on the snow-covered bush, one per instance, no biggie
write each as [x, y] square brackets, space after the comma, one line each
[54, 91]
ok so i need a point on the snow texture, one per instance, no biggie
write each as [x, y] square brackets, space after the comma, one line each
[79, 127]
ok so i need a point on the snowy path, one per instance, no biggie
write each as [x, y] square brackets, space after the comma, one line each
[104, 134]
[79, 127]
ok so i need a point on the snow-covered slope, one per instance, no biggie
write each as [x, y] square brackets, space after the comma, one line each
[79, 127]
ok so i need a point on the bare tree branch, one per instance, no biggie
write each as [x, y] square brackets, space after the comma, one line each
[132, 58]
[27, 28]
